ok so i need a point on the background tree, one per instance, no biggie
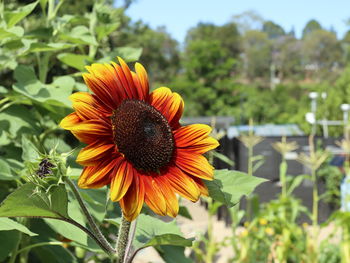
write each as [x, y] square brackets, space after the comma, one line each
[311, 26]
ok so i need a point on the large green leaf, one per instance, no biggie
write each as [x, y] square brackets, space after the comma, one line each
[29, 153]
[26, 202]
[153, 232]
[14, 32]
[74, 60]
[229, 186]
[13, 17]
[54, 254]
[173, 254]
[50, 96]
[68, 230]
[9, 224]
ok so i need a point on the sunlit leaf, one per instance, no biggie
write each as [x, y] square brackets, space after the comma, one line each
[229, 186]
[74, 60]
[14, 16]
[9, 224]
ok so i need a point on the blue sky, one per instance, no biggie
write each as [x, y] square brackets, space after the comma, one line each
[180, 15]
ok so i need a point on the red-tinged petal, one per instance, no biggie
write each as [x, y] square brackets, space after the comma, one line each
[183, 184]
[100, 89]
[121, 181]
[195, 138]
[143, 79]
[154, 197]
[194, 164]
[132, 201]
[172, 203]
[170, 104]
[92, 127]
[94, 174]
[128, 77]
[93, 153]
[70, 121]
[88, 106]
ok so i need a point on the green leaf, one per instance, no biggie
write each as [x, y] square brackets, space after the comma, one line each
[183, 211]
[74, 60]
[54, 254]
[30, 152]
[13, 17]
[106, 29]
[151, 232]
[5, 171]
[9, 224]
[173, 254]
[43, 47]
[79, 35]
[8, 241]
[229, 186]
[223, 158]
[59, 199]
[26, 202]
[14, 32]
[68, 230]
[127, 53]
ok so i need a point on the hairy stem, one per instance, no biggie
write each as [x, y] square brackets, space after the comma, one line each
[123, 238]
[97, 232]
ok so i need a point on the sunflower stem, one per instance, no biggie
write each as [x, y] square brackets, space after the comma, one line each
[96, 230]
[123, 238]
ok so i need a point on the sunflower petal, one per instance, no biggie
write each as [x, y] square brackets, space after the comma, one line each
[132, 201]
[170, 104]
[94, 152]
[194, 164]
[121, 181]
[70, 121]
[195, 138]
[93, 174]
[183, 184]
[143, 80]
[201, 185]
[87, 106]
[172, 204]
[154, 197]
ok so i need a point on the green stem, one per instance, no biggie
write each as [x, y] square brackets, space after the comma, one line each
[123, 238]
[28, 248]
[283, 178]
[89, 217]
[15, 251]
[250, 162]
[315, 199]
[43, 65]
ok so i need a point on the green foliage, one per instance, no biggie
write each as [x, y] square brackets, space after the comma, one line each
[229, 186]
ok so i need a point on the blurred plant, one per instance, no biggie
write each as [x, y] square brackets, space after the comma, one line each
[313, 161]
[284, 148]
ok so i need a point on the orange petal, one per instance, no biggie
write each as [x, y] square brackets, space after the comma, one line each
[183, 184]
[170, 104]
[126, 75]
[201, 185]
[70, 121]
[172, 204]
[132, 201]
[154, 197]
[93, 174]
[194, 164]
[88, 106]
[93, 127]
[94, 152]
[121, 181]
[142, 78]
[195, 138]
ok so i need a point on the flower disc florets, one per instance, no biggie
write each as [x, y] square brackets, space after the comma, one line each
[143, 135]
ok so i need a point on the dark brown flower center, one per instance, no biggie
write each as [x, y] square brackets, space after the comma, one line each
[143, 135]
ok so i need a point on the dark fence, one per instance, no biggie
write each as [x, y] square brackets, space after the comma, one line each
[237, 152]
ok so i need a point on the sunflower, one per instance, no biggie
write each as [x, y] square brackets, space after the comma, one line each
[135, 142]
